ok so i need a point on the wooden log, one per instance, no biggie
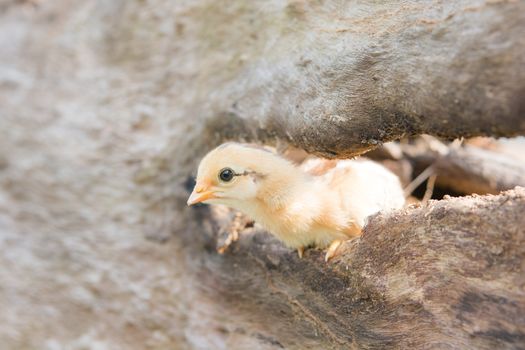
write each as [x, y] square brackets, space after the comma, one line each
[467, 169]
[447, 275]
[375, 72]
[474, 170]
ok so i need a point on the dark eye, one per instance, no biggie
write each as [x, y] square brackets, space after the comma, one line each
[226, 174]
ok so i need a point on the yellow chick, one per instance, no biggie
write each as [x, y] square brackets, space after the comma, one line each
[320, 203]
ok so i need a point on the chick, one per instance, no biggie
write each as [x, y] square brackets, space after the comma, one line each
[320, 203]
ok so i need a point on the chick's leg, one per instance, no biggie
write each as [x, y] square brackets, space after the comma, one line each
[300, 252]
[332, 249]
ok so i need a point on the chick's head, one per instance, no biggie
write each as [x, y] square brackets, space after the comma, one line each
[233, 174]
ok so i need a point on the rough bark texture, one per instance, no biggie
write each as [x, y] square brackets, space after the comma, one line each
[447, 275]
[362, 73]
[107, 106]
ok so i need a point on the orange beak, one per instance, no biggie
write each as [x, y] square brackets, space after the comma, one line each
[200, 194]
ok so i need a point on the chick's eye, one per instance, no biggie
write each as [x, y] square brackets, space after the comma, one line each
[226, 174]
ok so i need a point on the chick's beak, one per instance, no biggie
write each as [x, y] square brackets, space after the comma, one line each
[200, 194]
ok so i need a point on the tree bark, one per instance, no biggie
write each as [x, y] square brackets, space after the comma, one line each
[368, 73]
[446, 275]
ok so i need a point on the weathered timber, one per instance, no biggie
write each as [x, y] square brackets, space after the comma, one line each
[447, 275]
